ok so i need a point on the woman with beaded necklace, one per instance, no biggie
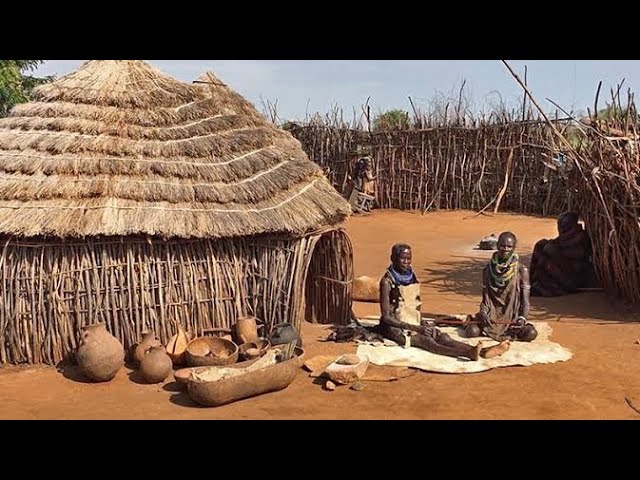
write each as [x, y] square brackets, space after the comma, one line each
[401, 320]
[505, 297]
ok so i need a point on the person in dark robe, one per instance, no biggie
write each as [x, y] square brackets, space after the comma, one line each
[505, 297]
[401, 320]
[564, 264]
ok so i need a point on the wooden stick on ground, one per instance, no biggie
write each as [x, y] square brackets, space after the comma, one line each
[632, 405]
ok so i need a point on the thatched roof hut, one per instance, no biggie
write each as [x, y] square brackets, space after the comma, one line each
[131, 198]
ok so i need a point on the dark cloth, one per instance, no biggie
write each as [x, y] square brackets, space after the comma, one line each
[521, 333]
[562, 265]
[355, 332]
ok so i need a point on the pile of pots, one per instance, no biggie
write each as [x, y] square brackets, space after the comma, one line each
[101, 355]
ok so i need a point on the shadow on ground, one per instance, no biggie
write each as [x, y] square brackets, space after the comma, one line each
[462, 275]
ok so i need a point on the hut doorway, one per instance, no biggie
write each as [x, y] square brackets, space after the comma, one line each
[330, 280]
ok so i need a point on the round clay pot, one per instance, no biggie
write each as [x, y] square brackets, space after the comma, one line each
[100, 354]
[156, 365]
[149, 341]
[285, 333]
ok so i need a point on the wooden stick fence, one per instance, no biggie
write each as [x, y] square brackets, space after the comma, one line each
[51, 290]
[448, 167]
[609, 197]
[607, 183]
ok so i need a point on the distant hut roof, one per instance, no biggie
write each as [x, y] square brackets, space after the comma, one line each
[119, 148]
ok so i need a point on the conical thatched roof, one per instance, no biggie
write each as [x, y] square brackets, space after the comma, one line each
[119, 148]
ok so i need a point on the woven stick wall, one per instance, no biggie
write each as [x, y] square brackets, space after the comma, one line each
[611, 209]
[608, 181]
[51, 290]
[450, 167]
[330, 280]
[606, 178]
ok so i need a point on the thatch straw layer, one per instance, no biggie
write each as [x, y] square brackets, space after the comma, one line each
[118, 148]
[300, 208]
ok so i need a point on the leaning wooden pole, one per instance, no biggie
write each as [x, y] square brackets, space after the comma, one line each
[577, 159]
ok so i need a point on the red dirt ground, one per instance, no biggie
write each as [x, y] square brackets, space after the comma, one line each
[604, 336]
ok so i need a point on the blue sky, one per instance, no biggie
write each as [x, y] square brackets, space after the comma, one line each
[301, 86]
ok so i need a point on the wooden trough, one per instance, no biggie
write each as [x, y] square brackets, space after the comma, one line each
[269, 379]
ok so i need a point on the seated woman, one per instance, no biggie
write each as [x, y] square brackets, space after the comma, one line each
[562, 265]
[401, 319]
[505, 297]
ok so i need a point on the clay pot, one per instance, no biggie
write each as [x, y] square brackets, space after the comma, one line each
[285, 333]
[149, 341]
[100, 354]
[156, 365]
[247, 329]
